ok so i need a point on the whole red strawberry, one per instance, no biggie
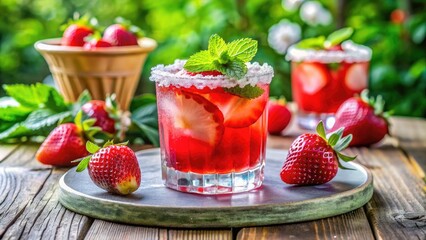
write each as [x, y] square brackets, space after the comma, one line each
[364, 119]
[278, 116]
[122, 33]
[64, 144]
[94, 41]
[114, 168]
[77, 31]
[97, 109]
[314, 158]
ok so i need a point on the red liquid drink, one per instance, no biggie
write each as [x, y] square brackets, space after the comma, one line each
[324, 79]
[211, 141]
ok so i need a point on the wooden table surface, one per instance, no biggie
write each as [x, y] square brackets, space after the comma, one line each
[29, 206]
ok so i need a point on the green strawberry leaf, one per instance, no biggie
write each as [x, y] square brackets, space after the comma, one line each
[200, 62]
[343, 167]
[83, 164]
[244, 49]
[216, 45]
[14, 114]
[312, 43]
[343, 143]
[345, 157]
[248, 91]
[338, 37]
[92, 147]
[108, 143]
[321, 131]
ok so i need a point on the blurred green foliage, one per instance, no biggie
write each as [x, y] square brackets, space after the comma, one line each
[182, 27]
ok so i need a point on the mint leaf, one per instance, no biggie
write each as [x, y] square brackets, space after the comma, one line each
[216, 45]
[248, 91]
[312, 43]
[338, 36]
[244, 49]
[200, 62]
[91, 147]
[233, 69]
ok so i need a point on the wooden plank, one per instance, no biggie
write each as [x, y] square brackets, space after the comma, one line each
[352, 225]
[45, 218]
[18, 187]
[107, 230]
[397, 209]
[412, 140]
[24, 156]
[200, 234]
[6, 150]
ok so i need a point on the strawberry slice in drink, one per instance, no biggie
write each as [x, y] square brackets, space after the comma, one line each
[240, 112]
[311, 76]
[356, 78]
[194, 126]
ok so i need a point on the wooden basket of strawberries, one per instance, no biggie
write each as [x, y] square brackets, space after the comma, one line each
[106, 65]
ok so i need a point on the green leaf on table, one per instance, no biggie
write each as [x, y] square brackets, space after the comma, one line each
[42, 121]
[31, 96]
[142, 100]
[338, 36]
[15, 131]
[14, 114]
[146, 121]
[55, 101]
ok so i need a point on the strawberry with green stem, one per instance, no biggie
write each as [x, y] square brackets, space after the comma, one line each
[364, 118]
[114, 167]
[67, 142]
[123, 33]
[315, 158]
[77, 30]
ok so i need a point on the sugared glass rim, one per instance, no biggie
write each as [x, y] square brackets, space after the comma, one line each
[352, 52]
[175, 75]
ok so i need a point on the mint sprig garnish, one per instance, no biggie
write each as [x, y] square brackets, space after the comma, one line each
[227, 58]
[321, 42]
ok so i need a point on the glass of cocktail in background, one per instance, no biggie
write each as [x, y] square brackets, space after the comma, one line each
[323, 78]
[211, 141]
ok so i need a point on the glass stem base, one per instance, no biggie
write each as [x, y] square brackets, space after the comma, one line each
[210, 184]
[310, 121]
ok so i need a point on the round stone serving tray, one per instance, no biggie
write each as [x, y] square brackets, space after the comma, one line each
[274, 203]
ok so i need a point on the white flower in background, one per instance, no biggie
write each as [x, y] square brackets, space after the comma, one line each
[291, 5]
[313, 13]
[282, 35]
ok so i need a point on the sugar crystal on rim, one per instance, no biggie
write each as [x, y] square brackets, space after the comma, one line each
[175, 75]
[352, 52]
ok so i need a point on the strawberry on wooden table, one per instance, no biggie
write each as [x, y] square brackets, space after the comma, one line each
[364, 118]
[315, 158]
[113, 168]
[278, 116]
[64, 144]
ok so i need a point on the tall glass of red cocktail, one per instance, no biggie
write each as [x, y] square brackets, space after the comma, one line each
[212, 127]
